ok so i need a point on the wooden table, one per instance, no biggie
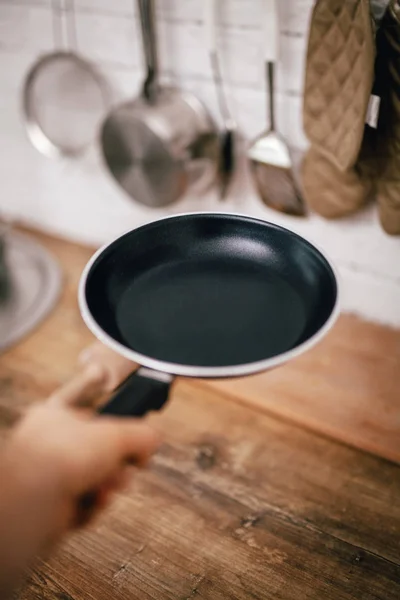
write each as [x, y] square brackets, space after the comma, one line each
[237, 504]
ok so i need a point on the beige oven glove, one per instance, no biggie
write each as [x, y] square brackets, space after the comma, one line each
[338, 83]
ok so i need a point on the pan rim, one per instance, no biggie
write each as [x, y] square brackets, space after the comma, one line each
[176, 369]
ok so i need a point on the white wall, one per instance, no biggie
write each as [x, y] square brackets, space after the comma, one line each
[77, 199]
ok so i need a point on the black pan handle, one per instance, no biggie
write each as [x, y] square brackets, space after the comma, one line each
[142, 392]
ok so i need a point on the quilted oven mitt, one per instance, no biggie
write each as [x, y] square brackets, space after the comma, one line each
[338, 83]
[388, 132]
[330, 192]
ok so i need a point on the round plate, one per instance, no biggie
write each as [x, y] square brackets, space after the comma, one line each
[33, 288]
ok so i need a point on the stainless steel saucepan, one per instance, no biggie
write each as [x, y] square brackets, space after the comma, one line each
[164, 143]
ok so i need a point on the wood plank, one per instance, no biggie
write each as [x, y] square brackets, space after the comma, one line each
[238, 505]
[346, 388]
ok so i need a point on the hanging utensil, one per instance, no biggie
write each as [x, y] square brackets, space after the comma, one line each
[164, 143]
[270, 157]
[228, 134]
[64, 96]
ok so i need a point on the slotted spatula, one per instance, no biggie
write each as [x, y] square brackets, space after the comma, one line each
[269, 155]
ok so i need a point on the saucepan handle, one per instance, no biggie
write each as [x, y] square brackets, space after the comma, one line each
[142, 392]
[147, 22]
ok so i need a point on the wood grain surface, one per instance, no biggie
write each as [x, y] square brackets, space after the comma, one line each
[237, 503]
[347, 387]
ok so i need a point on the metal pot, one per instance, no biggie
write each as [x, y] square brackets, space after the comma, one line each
[163, 143]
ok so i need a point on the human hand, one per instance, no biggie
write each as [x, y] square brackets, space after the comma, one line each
[55, 460]
[72, 455]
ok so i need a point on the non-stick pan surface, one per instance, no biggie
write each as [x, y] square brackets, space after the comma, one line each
[209, 295]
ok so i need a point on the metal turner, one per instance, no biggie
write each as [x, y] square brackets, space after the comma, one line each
[269, 154]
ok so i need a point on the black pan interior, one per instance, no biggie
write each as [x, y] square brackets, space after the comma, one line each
[211, 290]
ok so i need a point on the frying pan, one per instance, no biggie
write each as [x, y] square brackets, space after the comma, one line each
[205, 295]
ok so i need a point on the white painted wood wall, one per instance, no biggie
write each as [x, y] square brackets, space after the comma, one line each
[77, 199]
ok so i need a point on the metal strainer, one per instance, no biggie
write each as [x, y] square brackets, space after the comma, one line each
[64, 96]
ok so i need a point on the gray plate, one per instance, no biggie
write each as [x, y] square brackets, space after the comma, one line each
[34, 285]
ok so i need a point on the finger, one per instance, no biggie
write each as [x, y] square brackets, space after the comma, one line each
[95, 501]
[116, 368]
[135, 440]
[109, 444]
[81, 391]
[117, 481]
[102, 371]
